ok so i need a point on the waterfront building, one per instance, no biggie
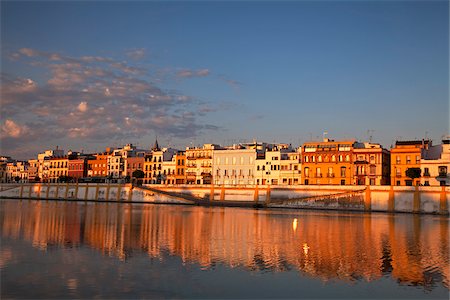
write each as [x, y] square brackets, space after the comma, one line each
[199, 164]
[43, 171]
[234, 166]
[290, 168]
[4, 160]
[173, 171]
[435, 164]
[168, 171]
[180, 167]
[2, 172]
[406, 155]
[116, 163]
[33, 170]
[328, 162]
[155, 162]
[372, 164]
[97, 167]
[54, 168]
[133, 164]
[77, 168]
[148, 166]
[17, 171]
[268, 167]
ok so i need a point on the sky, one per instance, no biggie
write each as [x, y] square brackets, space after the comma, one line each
[86, 75]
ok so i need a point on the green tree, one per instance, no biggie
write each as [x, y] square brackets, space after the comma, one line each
[138, 174]
[413, 173]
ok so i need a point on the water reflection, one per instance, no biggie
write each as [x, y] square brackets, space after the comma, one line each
[411, 249]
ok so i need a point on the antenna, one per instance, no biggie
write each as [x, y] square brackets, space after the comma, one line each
[369, 134]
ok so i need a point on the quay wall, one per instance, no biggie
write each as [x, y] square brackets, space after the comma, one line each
[409, 199]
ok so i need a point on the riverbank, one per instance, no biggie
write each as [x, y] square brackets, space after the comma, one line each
[426, 200]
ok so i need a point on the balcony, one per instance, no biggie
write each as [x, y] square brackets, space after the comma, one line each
[426, 175]
[442, 175]
[319, 175]
[330, 175]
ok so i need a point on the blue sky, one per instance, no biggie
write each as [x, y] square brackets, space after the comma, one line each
[86, 75]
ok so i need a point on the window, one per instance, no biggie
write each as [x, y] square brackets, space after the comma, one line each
[306, 158]
[340, 158]
[442, 171]
[408, 159]
[319, 158]
[426, 172]
[343, 171]
[372, 158]
[333, 158]
[257, 168]
[306, 172]
[417, 159]
[373, 169]
[397, 160]
[347, 157]
[372, 181]
[318, 172]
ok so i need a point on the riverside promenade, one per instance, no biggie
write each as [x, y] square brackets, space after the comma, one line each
[404, 199]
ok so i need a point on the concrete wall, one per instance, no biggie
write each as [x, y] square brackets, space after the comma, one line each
[368, 198]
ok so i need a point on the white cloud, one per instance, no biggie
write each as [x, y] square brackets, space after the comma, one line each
[186, 73]
[136, 54]
[12, 129]
[94, 99]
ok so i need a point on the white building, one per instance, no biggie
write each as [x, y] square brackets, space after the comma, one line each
[17, 171]
[278, 164]
[116, 162]
[235, 166]
[435, 164]
[42, 171]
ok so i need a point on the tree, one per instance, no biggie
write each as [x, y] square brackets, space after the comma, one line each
[413, 173]
[138, 174]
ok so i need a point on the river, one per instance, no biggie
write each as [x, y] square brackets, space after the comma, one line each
[68, 249]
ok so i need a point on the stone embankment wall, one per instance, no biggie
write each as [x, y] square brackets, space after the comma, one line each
[363, 198]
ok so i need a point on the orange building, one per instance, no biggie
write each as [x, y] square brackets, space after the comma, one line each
[328, 162]
[406, 155]
[180, 167]
[98, 167]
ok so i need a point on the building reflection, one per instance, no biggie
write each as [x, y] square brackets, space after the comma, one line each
[411, 249]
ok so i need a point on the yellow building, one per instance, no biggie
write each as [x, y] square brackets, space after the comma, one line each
[406, 155]
[199, 164]
[55, 167]
[328, 162]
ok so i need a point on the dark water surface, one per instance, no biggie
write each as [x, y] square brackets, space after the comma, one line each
[110, 250]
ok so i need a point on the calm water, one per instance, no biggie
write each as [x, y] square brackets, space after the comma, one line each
[109, 250]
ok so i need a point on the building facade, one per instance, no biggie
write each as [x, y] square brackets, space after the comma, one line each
[199, 161]
[406, 155]
[435, 164]
[328, 163]
[372, 164]
[235, 166]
